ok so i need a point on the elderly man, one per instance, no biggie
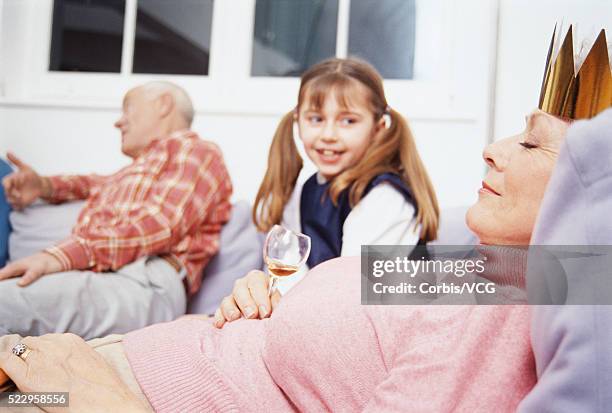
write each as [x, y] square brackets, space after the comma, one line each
[143, 237]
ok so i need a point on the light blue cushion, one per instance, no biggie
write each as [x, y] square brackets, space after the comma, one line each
[40, 226]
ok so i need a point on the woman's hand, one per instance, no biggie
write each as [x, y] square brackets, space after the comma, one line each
[249, 298]
[65, 363]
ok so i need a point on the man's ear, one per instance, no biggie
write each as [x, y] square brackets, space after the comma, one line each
[165, 103]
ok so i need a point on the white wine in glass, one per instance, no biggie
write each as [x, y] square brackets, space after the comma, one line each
[279, 269]
[284, 252]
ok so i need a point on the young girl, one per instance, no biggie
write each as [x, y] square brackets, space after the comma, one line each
[371, 186]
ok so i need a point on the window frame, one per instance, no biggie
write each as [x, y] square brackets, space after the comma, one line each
[465, 31]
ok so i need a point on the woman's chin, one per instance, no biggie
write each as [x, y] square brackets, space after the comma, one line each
[478, 220]
[471, 219]
[494, 229]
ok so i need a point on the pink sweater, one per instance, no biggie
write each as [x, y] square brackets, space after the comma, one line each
[323, 351]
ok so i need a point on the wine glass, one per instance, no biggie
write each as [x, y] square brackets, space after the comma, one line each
[284, 252]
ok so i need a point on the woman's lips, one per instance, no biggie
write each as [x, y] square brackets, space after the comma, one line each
[488, 190]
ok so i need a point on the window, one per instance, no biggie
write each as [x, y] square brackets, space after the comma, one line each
[382, 32]
[170, 37]
[87, 35]
[173, 37]
[290, 36]
[245, 56]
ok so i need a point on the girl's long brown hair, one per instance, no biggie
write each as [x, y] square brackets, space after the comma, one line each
[394, 149]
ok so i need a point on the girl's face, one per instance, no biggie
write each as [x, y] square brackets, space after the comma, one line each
[512, 191]
[336, 136]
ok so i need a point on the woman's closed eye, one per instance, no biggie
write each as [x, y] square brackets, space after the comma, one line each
[528, 145]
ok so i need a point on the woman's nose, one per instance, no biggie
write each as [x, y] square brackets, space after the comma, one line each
[494, 155]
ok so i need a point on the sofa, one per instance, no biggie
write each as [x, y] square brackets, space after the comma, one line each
[240, 249]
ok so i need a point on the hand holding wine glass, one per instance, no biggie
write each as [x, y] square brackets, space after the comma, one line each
[284, 253]
[252, 295]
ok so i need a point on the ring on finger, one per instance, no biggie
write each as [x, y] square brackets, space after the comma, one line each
[22, 351]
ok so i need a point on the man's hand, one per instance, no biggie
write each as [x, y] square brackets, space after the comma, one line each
[24, 186]
[249, 298]
[31, 268]
[65, 363]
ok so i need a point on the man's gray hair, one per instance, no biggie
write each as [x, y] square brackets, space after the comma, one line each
[181, 98]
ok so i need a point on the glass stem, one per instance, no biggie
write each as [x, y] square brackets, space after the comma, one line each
[273, 283]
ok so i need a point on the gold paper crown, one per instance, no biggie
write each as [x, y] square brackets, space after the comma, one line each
[577, 96]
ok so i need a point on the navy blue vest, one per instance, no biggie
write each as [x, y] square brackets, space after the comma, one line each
[323, 222]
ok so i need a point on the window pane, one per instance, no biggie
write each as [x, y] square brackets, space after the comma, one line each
[382, 32]
[173, 37]
[291, 35]
[87, 35]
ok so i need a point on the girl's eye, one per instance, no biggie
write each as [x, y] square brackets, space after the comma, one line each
[527, 145]
[348, 121]
[314, 119]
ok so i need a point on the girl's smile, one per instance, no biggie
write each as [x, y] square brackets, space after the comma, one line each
[329, 155]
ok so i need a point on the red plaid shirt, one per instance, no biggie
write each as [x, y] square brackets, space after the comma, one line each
[173, 200]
